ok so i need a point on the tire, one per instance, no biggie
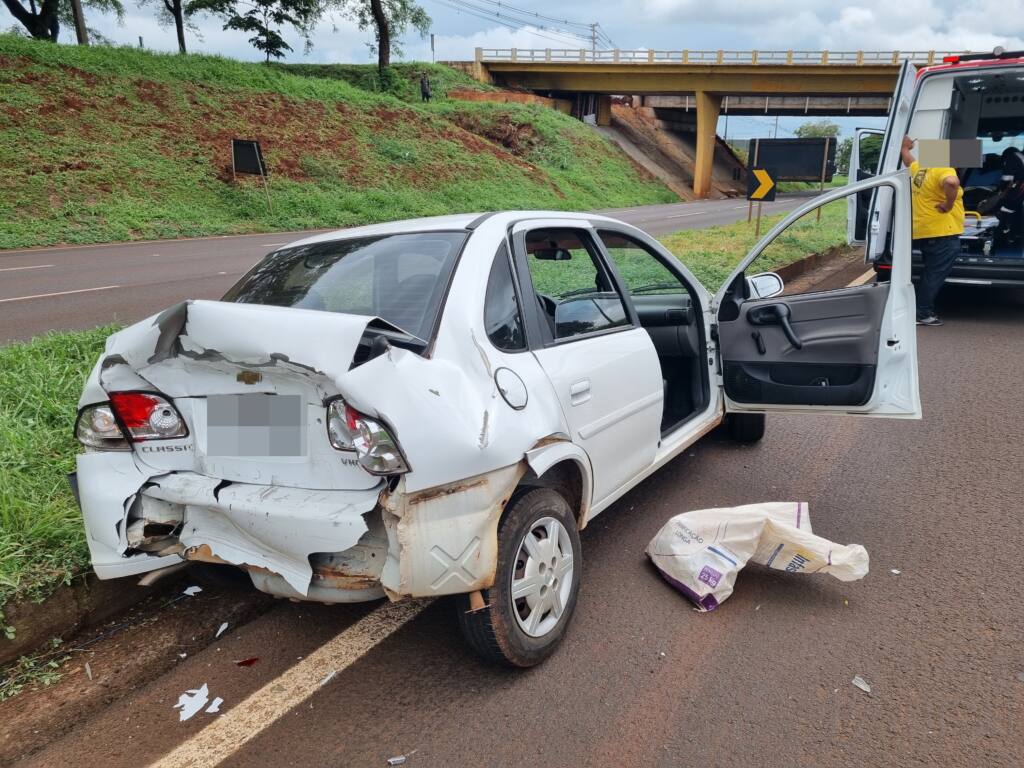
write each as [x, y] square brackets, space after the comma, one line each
[524, 632]
[745, 427]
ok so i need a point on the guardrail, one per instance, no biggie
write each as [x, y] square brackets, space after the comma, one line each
[816, 58]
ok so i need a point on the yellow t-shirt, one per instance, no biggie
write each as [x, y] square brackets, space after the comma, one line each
[927, 189]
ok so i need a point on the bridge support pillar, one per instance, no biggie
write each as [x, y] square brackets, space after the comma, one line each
[708, 107]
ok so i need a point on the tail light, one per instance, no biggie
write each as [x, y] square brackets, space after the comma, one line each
[147, 416]
[376, 450]
[97, 427]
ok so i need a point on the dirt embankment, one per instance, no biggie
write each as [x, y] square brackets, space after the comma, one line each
[671, 154]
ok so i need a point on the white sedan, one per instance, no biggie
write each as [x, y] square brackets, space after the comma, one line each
[439, 406]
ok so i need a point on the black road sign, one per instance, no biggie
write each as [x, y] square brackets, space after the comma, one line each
[247, 157]
[796, 159]
[761, 185]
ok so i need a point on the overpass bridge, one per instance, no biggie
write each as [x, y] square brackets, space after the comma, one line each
[692, 88]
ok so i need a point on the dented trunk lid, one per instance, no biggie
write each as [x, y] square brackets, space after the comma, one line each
[252, 383]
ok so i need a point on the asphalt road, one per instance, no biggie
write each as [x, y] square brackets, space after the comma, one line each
[85, 286]
[642, 679]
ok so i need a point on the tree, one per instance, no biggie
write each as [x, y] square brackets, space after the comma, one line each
[264, 19]
[177, 13]
[817, 128]
[42, 20]
[389, 19]
[843, 152]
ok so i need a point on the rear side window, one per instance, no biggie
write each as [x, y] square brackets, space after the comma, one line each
[401, 278]
[502, 318]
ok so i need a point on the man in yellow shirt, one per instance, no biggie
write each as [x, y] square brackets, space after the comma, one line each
[938, 205]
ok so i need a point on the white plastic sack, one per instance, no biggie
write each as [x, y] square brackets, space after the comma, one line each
[700, 553]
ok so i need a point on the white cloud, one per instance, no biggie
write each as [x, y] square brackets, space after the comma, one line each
[660, 24]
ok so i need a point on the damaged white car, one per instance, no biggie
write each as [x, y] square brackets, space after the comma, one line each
[438, 407]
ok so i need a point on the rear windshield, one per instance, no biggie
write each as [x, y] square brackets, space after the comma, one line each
[401, 278]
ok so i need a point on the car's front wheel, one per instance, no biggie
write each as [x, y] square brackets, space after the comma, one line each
[536, 583]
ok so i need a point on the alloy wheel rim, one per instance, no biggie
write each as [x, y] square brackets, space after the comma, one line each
[542, 577]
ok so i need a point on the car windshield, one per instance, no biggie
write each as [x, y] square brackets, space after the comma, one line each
[400, 278]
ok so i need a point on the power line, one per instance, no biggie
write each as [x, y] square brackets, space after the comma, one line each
[525, 12]
[463, 7]
[519, 19]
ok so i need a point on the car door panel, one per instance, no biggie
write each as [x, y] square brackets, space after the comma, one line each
[835, 364]
[851, 349]
[608, 383]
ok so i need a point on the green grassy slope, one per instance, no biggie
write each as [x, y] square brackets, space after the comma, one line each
[104, 144]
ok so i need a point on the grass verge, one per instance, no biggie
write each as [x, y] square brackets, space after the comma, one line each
[42, 542]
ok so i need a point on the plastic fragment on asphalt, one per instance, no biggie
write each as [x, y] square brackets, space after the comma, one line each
[895, 571]
[247, 662]
[328, 678]
[861, 683]
[192, 591]
[220, 630]
[214, 707]
[182, 655]
[700, 553]
[88, 671]
[191, 702]
[400, 759]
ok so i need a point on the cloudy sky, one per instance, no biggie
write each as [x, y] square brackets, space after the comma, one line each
[638, 24]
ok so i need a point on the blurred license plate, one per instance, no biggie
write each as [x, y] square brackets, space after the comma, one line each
[255, 425]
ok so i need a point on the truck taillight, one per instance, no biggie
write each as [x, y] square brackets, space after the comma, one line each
[147, 416]
[375, 448]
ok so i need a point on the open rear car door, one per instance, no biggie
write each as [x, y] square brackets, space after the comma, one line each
[864, 156]
[851, 349]
[879, 216]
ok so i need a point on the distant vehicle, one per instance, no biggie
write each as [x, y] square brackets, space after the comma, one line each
[439, 406]
[980, 96]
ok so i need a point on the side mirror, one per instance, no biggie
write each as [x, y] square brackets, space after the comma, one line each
[764, 285]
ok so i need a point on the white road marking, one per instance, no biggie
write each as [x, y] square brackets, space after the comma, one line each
[264, 707]
[59, 293]
[682, 215]
[15, 269]
[863, 278]
[271, 245]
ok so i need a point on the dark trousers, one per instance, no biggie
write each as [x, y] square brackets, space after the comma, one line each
[938, 254]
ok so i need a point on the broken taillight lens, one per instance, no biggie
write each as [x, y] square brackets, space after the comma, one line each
[97, 428]
[376, 450]
[147, 416]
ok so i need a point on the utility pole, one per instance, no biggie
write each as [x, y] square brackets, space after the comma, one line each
[775, 133]
[593, 40]
[80, 31]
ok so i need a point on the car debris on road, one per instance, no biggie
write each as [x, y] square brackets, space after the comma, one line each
[700, 553]
[861, 683]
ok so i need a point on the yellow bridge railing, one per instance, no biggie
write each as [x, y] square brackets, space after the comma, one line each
[796, 58]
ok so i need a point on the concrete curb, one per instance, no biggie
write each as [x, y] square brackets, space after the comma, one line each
[86, 602]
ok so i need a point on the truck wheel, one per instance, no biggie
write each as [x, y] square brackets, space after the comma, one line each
[745, 427]
[536, 583]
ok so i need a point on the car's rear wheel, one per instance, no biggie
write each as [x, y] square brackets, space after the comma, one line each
[745, 427]
[536, 583]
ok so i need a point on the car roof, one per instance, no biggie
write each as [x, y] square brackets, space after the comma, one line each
[442, 223]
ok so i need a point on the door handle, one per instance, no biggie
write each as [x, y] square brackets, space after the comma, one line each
[579, 392]
[775, 314]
